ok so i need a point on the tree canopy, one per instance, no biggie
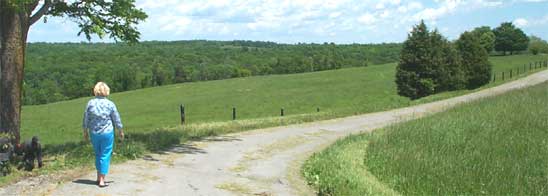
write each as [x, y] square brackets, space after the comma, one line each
[537, 45]
[430, 64]
[475, 63]
[509, 38]
[486, 36]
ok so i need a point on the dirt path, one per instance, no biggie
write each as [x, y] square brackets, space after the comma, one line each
[260, 162]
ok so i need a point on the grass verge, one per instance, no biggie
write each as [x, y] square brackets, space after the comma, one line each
[495, 146]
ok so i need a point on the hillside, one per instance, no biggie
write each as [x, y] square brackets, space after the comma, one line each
[62, 71]
[337, 93]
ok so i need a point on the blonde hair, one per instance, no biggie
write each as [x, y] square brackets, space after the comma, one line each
[101, 89]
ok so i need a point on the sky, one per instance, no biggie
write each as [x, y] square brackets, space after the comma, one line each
[312, 21]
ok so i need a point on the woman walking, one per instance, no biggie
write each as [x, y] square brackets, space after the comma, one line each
[100, 118]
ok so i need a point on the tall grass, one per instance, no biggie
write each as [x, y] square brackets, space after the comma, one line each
[496, 146]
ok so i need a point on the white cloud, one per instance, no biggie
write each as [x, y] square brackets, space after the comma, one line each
[385, 14]
[432, 14]
[379, 6]
[487, 3]
[335, 15]
[411, 6]
[367, 19]
[531, 22]
[521, 22]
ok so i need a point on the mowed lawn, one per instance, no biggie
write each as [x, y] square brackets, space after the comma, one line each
[337, 93]
[495, 146]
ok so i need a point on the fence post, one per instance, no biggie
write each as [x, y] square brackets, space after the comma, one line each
[317, 109]
[494, 77]
[503, 76]
[182, 108]
[282, 112]
[510, 73]
[233, 113]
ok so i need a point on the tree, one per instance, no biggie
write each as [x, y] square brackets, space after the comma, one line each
[475, 63]
[509, 38]
[161, 75]
[428, 64]
[486, 36]
[537, 45]
[115, 18]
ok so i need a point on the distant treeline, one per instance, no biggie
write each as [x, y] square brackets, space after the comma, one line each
[61, 71]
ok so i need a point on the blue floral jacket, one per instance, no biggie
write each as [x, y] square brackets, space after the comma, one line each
[100, 115]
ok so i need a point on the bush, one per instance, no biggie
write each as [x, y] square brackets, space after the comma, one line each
[475, 63]
[428, 64]
[537, 45]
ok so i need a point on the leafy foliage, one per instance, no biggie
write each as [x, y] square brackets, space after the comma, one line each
[61, 71]
[428, 64]
[510, 38]
[486, 36]
[475, 63]
[114, 18]
[537, 45]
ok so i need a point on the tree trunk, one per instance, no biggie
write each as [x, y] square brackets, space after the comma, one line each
[14, 25]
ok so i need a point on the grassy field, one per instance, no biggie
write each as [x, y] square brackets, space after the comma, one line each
[151, 116]
[495, 146]
[337, 93]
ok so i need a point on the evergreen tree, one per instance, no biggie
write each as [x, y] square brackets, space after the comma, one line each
[428, 64]
[474, 60]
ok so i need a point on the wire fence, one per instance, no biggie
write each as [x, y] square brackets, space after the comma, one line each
[504, 75]
[520, 70]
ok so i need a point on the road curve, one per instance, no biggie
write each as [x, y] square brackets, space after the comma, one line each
[259, 162]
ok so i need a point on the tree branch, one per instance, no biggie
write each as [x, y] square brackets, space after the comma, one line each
[40, 12]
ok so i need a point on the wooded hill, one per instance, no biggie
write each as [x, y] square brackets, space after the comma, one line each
[61, 71]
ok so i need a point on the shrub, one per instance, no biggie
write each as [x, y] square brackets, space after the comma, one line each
[475, 64]
[428, 64]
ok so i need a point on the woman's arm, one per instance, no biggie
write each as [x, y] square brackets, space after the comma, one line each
[85, 123]
[115, 116]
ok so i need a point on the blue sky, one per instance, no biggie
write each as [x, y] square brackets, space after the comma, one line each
[292, 21]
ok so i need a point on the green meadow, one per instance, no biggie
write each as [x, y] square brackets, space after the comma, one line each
[336, 93]
[495, 146]
[151, 116]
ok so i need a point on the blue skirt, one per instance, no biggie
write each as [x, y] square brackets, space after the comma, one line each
[102, 146]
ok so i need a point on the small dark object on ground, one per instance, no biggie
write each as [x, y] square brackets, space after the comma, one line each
[31, 150]
[6, 151]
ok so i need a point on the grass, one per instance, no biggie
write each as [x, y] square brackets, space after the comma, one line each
[495, 146]
[337, 93]
[151, 116]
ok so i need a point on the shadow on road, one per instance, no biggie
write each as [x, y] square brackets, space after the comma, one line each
[89, 182]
